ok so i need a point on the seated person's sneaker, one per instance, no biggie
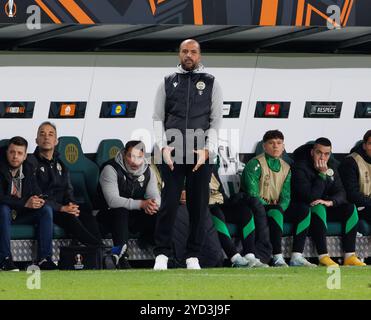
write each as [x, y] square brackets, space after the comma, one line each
[254, 262]
[353, 261]
[327, 262]
[8, 265]
[47, 264]
[279, 261]
[122, 262]
[161, 262]
[238, 261]
[300, 261]
[259, 264]
[192, 263]
[121, 257]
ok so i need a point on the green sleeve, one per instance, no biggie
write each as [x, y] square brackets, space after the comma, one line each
[285, 195]
[250, 179]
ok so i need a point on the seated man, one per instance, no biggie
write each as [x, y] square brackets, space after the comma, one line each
[20, 198]
[267, 178]
[54, 180]
[318, 196]
[234, 210]
[355, 172]
[129, 197]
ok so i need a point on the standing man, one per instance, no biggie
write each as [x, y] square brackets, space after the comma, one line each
[267, 177]
[318, 196]
[54, 180]
[20, 198]
[188, 107]
[355, 172]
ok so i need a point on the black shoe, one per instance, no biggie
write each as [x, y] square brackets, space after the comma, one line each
[47, 264]
[121, 263]
[8, 265]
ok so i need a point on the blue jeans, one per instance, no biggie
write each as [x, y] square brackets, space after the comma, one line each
[42, 218]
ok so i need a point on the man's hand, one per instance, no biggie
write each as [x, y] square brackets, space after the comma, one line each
[326, 203]
[183, 197]
[321, 166]
[71, 208]
[202, 156]
[149, 206]
[166, 153]
[34, 202]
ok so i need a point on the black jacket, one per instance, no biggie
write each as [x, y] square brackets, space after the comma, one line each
[54, 180]
[29, 183]
[350, 176]
[306, 183]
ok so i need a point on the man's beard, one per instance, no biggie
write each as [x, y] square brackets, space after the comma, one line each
[191, 68]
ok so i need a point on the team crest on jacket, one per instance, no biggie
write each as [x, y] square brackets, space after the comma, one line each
[42, 169]
[200, 85]
[140, 180]
[59, 168]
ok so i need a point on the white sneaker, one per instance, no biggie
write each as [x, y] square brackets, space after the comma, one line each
[279, 261]
[300, 261]
[193, 264]
[238, 261]
[254, 262]
[161, 262]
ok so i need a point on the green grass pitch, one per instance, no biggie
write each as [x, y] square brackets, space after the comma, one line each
[182, 284]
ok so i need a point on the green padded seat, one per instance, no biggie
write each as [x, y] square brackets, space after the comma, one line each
[334, 229]
[107, 150]
[288, 229]
[27, 231]
[232, 228]
[83, 171]
[4, 142]
[259, 150]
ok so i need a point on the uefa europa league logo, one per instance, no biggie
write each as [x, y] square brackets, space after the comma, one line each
[10, 8]
[78, 265]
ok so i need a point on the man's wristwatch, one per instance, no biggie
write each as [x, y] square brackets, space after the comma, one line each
[329, 172]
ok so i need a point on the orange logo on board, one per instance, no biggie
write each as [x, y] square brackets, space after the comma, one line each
[68, 110]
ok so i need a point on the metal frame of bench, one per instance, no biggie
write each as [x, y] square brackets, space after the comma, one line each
[25, 250]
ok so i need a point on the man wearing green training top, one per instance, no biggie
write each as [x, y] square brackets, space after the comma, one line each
[267, 177]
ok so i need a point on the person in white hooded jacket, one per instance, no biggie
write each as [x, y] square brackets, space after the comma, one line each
[128, 198]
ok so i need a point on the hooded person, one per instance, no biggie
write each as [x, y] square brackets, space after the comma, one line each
[317, 197]
[128, 197]
[355, 172]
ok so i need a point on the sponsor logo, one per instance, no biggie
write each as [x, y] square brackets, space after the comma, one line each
[314, 109]
[323, 109]
[226, 109]
[68, 110]
[118, 110]
[13, 109]
[272, 109]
